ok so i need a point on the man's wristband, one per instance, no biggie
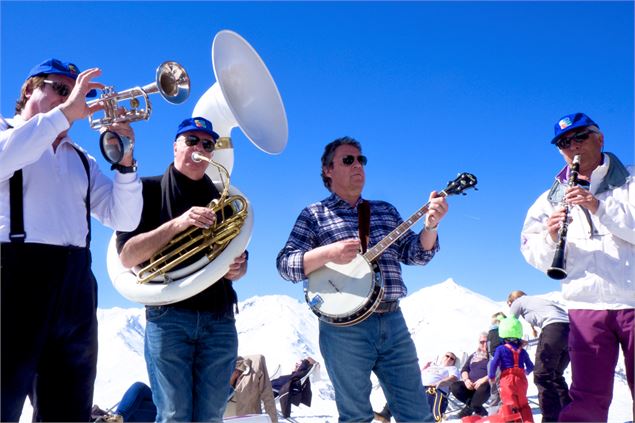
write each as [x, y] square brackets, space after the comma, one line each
[125, 169]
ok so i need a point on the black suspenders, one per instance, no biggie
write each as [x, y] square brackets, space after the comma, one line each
[17, 234]
[16, 206]
[84, 160]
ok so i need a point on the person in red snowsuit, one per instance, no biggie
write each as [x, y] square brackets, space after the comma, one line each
[515, 365]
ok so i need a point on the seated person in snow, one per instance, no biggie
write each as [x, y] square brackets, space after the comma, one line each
[135, 406]
[473, 389]
[290, 389]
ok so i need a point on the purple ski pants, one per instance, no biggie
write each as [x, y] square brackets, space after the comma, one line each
[594, 342]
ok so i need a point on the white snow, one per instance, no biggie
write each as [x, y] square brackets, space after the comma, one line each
[443, 317]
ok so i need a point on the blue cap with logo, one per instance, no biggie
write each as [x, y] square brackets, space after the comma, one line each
[197, 124]
[569, 122]
[57, 67]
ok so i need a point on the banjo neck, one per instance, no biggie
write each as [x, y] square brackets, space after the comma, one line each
[374, 252]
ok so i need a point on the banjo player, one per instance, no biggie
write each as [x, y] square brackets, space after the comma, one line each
[327, 231]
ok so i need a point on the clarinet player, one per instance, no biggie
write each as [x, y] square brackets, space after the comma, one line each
[599, 285]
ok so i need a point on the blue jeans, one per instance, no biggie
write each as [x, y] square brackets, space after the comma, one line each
[136, 404]
[190, 357]
[380, 344]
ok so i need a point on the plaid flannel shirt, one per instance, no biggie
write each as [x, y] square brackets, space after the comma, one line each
[333, 219]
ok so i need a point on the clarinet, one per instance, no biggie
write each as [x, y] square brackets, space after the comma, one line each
[558, 266]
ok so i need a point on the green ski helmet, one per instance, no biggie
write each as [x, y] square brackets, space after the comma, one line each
[510, 327]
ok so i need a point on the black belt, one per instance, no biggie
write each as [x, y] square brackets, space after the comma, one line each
[387, 307]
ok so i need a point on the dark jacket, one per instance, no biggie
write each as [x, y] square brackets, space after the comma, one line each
[290, 390]
[493, 340]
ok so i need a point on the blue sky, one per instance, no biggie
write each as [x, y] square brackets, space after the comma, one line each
[430, 89]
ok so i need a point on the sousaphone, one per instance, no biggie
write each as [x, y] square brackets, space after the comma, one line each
[243, 96]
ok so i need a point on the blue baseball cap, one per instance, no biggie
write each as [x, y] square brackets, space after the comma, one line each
[57, 67]
[570, 122]
[197, 124]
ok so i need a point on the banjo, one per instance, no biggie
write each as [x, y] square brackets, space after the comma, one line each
[346, 294]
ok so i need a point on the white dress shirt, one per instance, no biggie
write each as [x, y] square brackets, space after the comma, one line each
[55, 185]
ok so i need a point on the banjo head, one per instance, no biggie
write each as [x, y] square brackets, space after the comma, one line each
[344, 294]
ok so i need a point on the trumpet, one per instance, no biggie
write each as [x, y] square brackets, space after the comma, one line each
[172, 82]
[196, 241]
[558, 265]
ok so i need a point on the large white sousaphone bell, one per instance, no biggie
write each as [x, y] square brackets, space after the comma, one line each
[246, 96]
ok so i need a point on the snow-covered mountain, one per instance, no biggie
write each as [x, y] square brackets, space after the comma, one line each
[442, 317]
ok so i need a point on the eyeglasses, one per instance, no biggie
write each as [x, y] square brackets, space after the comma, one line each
[350, 159]
[62, 90]
[450, 357]
[192, 140]
[565, 142]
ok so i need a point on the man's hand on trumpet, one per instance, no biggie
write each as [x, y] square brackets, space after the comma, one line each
[122, 129]
[75, 107]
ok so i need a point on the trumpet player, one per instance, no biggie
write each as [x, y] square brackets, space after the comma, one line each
[599, 285]
[49, 188]
[191, 345]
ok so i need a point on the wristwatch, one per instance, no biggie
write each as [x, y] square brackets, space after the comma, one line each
[125, 169]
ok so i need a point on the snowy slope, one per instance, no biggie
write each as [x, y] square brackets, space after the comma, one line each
[442, 317]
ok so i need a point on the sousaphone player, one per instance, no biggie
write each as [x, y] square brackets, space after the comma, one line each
[190, 345]
[191, 340]
[245, 96]
[327, 231]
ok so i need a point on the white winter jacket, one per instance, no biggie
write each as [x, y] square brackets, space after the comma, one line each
[600, 247]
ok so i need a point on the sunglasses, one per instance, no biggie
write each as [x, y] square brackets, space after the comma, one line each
[349, 160]
[565, 142]
[450, 357]
[192, 140]
[62, 90]
[482, 342]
